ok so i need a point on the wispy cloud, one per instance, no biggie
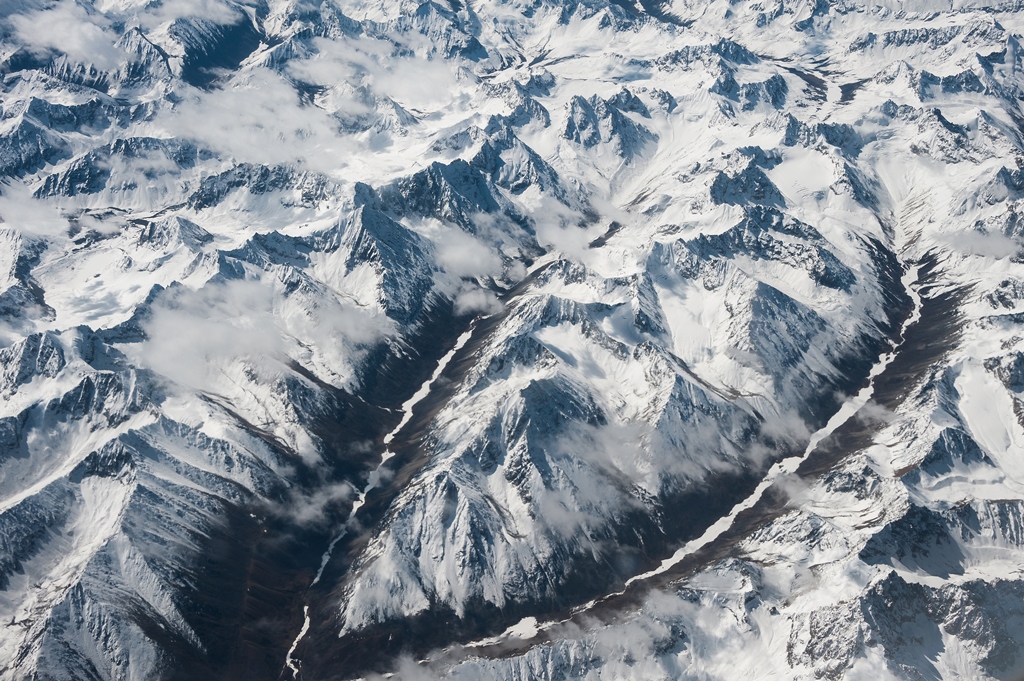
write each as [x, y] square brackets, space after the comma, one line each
[415, 83]
[194, 337]
[194, 334]
[560, 228]
[67, 28]
[475, 300]
[21, 211]
[261, 120]
[987, 244]
[216, 11]
[463, 255]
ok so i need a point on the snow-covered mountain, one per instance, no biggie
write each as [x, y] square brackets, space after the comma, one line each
[511, 340]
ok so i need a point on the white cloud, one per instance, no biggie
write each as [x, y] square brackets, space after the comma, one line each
[463, 255]
[418, 84]
[415, 83]
[311, 509]
[21, 211]
[341, 61]
[67, 28]
[216, 11]
[986, 244]
[476, 300]
[261, 120]
[193, 335]
[196, 337]
[558, 228]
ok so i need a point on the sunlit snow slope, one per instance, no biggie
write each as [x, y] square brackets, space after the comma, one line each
[511, 340]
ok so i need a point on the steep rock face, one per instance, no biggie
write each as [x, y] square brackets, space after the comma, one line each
[311, 188]
[98, 169]
[26, 146]
[169, 233]
[762, 235]
[453, 192]
[594, 121]
[208, 46]
[38, 355]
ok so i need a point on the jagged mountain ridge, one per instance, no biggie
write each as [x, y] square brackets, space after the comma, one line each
[241, 236]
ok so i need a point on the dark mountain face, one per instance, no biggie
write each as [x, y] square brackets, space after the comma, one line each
[513, 341]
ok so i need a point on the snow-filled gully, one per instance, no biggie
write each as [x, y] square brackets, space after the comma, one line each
[291, 662]
[529, 628]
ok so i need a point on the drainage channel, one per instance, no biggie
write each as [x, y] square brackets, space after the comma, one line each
[291, 662]
[849, 430]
